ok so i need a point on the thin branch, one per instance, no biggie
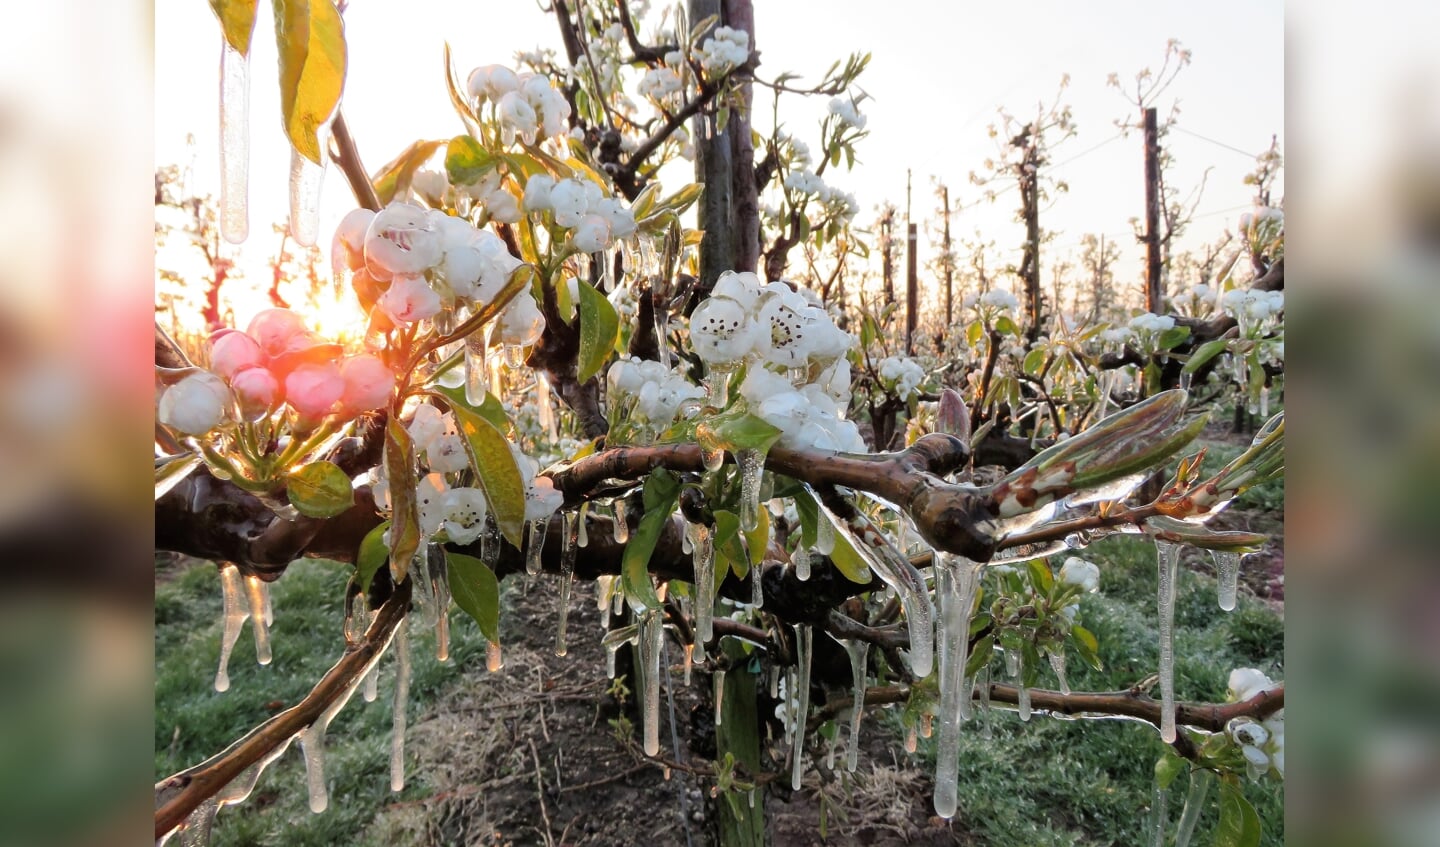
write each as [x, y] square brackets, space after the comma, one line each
[347, 156]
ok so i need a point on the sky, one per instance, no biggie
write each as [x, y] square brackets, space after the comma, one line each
[939, 72]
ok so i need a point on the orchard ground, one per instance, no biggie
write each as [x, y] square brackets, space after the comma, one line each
[536, 754]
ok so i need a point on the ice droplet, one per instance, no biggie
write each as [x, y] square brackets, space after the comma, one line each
[752, 469]
[306, 178]
[1264, 401]
[494, 660]
[717, 385]
[1227, 572]
[1168, 559]
[804, 640]
[234, 144]
[1057, 664]
[824, 538]
[234, 614]
[859, 652]
[955, 580]
[477, 381]
[801, 560]
[702, 544]
[719, 681]
[911, 740]
[622, 525]
[371, 688]
[402, 701]
[712, 459]
[652, 629]
[1185, 377]
[535, 544]
[582, 533]
[1200, 779]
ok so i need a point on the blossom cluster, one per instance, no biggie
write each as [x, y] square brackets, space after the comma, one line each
[728, 48]
[1081, 572]
[525, 103]
[1248, 303]
[596, 221]
[1262, 743]
[1147, 324]
[275, 362]
[424, 262]
[902, 375]
[847, 111]
[652, 393]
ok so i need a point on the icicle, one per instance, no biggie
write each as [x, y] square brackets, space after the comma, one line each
[927, 724]
[477, 382]
[312, 737]
[830, 751]
[494, 660]
[622, 525]
[490, 541]
[1159, 815]
[803, 651]
[573, 522]
[757, 587]
[774, 683]
[824, 538]
[234, 144]
[712, 459]
[582, 532]
[497, 377]
[986, 730]
[514, 356]
[859, 652]
[195, 832]
[652, 630]
[235, 613]
[306, 178]
[547, 412]
[752, 469]
[438, 568]
[1185, 377]
[895, 571]
[1227, 571]
[566, 580]
[1057, 664]
[1168, 557]
[535, 544]
[801, 560]
[357, 618]
[1023, 707]
[911, 740]
[718, 678]
[955, 579]
[238, 790]
[1264, 401]
[688, 663]
[371, 689]
[717, 385]
[1200, 779]
[402, 701]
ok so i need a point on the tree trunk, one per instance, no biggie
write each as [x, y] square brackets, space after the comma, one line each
[1154, 296]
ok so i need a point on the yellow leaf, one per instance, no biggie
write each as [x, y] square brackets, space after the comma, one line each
[311, 38]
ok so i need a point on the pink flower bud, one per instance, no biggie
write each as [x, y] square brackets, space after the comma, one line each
[312, 389]
[368, 384]
[258, 391]
[273, 329]
[234, 352]
[409, 298]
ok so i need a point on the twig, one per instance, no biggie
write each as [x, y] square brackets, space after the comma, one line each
[596, 783]
[540, 793]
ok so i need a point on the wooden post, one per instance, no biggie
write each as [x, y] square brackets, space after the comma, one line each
[1154, 294]
[887, 253]
[949, 262]
[912, 291]
[740, 14]
[714, 167]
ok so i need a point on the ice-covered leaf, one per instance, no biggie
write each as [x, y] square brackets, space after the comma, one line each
[476, 591]
[320, 490]
[662, 489]
[599, 327]
[499, 474]
[735, 431]
[405, 515]
[311, 40]
[466, 161]
[372, 556]
[394, 179]
[237, 20]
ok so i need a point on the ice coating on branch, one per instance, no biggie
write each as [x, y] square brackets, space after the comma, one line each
[859, 652]
[195, 832]
[240, 788]
[804, 649]
[234, 611]
[1168, 560]
[703, 546]
[895, 571]
[1227, 573]
[312, 738]
[402, 702]
[622, 524]
[257, 592]
[234, 144]
[1200, 779]
[955, 582]
[652, 629]
[306, 179]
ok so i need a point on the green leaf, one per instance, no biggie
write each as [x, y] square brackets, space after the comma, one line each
[727, 543]
[466, 161]
[320, 490]
[494, 462]
[394, 179]
[1034, 361]
[979, 655]
[1087, 645]
[1040, 576]
[1173, 336]
[1167, 767]
[490, 410]
[1239, 825]
[1205, 353]
[974, 332]
[757, 540]
[405, 516]
[599, 327]
[372, 556]
[1005, 326]
[736, 430]
[237, 20]
[311, 39]
[662, 489]
[476, 591]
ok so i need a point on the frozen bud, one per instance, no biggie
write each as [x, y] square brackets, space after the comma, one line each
[426, 426]
[258, 391]
[234, 352]
[541, 499]
[313, 389]
[350, 237]
[409, 298]
[491, 82]
[521, 323]
[430, 185]
[194, 405]
[954, 418]
[446, 454]
[592, 234]
[537, 193]
[517, 118]
[621, 219]
[273, 329]
[402, 239]
[1247, 682]
[368, 384]
[722, 331]
[1077, 571]
[569, 200]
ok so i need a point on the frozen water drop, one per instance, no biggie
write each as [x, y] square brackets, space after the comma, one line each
[1057, 664]
[494, 660]
[801, 559]
[719, 682]
[1227, 573]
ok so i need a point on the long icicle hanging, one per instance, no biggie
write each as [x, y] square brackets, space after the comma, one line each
[256, 592]
[235, 612]
[402, 700]
[234, 144]
[955, 580]
[312, 737]
[804, 639]
[306, 180]
[1168, 561]
[652, 630]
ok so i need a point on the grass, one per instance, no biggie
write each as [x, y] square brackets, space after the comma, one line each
[1052, 782]
[193, 721]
